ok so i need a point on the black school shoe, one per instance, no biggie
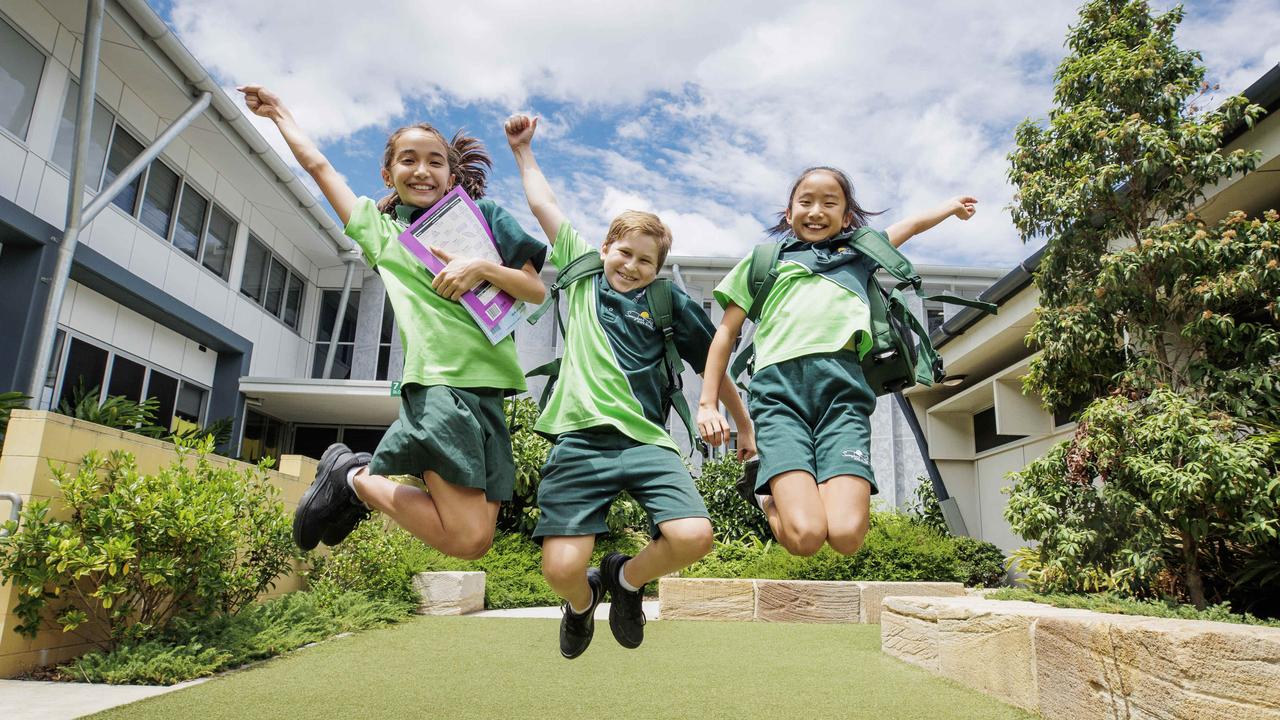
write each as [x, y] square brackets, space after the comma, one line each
[576, 630]
[325, 507]
[747, 482]
[626, 611]
[348, 517]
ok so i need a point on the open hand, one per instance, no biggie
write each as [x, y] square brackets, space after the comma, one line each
[458, 274]
[964, 206]
[520, 129]
[261, 101]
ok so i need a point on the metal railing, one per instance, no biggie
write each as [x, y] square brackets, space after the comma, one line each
[14, 511]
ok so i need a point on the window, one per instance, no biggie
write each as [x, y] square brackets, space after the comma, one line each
[203, 231]
[180, 403]
[99, 136]
[21, 65]
[934, 314]
[272, 284]
[159, 197]
[262, 437]
[217, 242]
[385, 339]
[344, 355]
[984, 432]
[191, 214]
[124, 148]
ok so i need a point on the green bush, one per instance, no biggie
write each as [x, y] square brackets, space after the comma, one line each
[731, 518]
[122, 413]
[925, 508]
[138, 551]
[375, 561]
[202, 647]
[10, 401]
[897, 548]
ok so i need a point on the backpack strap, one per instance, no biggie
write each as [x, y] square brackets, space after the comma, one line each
[663, 313]
[583, 266]
[762, 273]
[875, 245]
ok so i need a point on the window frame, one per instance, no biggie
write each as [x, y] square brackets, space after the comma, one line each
[45, 56]
[290, 272]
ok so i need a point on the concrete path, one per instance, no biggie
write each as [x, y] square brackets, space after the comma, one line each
[39, 700]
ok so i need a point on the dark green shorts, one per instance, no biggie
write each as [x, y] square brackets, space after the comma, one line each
[587, 470]
[813, 413]
[460, 434]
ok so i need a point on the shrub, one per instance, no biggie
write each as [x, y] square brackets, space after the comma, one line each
[732, 519]
[9, 401]
[529, 450]
[982, 564]
[925, 508]
[138, 551]
[375, 561]
[194, 648]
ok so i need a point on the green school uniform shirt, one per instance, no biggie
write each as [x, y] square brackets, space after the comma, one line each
[806, 313]
[612, 372]
[442, 343]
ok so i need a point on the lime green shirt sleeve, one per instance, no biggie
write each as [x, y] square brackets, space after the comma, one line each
[736, 287]
[368, 227]
[569, 245]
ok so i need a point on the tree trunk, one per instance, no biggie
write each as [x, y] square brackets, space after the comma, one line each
[1195, 583]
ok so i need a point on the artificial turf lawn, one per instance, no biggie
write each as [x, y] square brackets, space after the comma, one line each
[511, 668]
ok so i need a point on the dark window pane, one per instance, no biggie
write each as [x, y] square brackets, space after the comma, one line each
[261, 437]
[388, 322]
[362, 439]
[342, 359]
[189, 409]
[217, 242]
[312, 441]
[275, 287]
[984, 432]
[256, 262]
[99, 136]
[158, 198]
[123, 150]
[329, 314]
[126, 378]
[21, 65]
[186, 236]
[86, 366]
[384, 362]
[163, 388]
[292, 301]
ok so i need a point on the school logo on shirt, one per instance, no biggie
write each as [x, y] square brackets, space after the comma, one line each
[641, 317]
[856, 454]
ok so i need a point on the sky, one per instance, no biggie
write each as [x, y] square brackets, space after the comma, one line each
[704, 112]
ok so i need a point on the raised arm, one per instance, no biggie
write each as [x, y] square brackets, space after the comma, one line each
[711, 424]
[962, 206]
[267, 104]
[542, 201]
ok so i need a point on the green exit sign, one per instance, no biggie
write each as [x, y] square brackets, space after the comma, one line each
[395, 389]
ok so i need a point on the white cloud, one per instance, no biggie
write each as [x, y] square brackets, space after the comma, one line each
[720, 103]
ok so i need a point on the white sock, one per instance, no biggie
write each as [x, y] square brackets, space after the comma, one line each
[351, 476]
[622, 579]
[576, 611]
[760, 500]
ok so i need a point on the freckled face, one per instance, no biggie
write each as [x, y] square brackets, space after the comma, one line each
[419, 169]
[631, 261]
[818, 209]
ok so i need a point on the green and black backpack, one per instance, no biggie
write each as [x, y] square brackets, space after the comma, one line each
[660, 310]
[901, 354]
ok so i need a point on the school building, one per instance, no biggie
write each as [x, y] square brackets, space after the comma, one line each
[209, 277]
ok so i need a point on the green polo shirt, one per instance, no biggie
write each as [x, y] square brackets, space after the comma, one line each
[442, 343]
[612, 371]
[806, 313]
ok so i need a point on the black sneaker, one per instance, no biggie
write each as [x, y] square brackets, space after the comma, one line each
[626, 609]
[328, 498]
[576, 630]
[747, 482]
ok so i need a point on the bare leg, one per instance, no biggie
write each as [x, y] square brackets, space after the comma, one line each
[455, 520]
[796, 513]
[847, 501]
[564, 564]
[681, 544]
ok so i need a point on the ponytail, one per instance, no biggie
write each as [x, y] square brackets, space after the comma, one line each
[469, 163]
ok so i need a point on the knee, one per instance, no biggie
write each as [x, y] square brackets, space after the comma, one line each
[559, 573]
[848, 542]
[473, 547]
[691, 541]
[805, 540]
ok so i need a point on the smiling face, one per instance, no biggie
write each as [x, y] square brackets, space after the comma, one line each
[818, 209]
[418, 167]
[631, 261]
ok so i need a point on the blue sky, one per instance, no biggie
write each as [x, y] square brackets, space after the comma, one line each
[702, 112]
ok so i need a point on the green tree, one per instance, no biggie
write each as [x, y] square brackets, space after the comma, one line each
[1165, 323]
